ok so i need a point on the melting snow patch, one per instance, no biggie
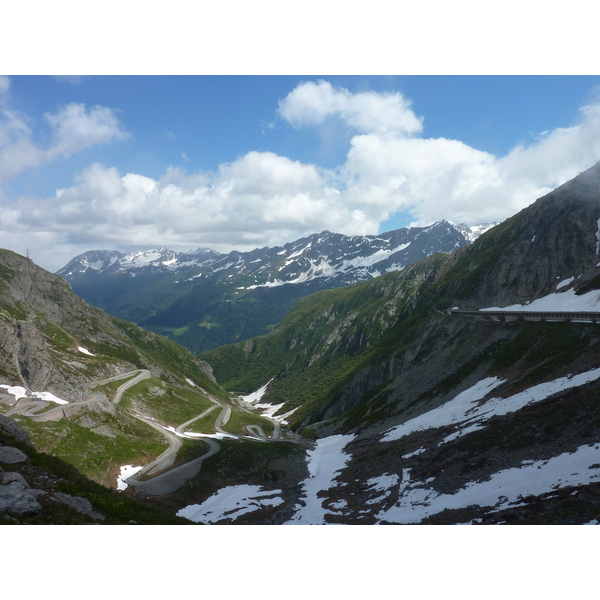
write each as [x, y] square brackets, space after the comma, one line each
[466, 412]
[448, 413]
[268, 410]
[564, 301]
[324, 464]
[502, 490]
[214, 436]
[419, 451]
[84, 351]
[126, 472]
[230, 503]
[257, 395]
[382, 484]
[217, 436]
[564, 282]
[16, 390]
[48, 397]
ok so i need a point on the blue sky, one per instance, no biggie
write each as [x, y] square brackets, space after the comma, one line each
[236, 162]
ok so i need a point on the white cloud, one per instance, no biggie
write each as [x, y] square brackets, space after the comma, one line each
[74, 128]
[259, 199]
[311, 103]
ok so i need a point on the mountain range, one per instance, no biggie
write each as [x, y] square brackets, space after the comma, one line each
[462, 388]
[203, 299]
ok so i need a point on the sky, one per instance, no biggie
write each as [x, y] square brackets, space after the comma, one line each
[238, 162]
[207, 129]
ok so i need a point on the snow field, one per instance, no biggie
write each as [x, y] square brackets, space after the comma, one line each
[230, 503]
[504, 489]
[382, 484]
[20, 392]
[466, 412]
[268, 410]
[562, 302]
[452, 412]
[325, 462]
[126, 472]
[48, 397]
[16, 390]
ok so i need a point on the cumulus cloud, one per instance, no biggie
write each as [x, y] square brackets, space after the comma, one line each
[390, 167]
[311, 103]
[74, 128]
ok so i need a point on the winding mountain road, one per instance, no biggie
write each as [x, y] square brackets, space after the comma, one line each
[163, 478]
[141, 375]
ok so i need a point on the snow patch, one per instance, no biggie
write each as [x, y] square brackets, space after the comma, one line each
[415, 453]
[231, 503]
[84, 351]
[562, 302]
[257, 395]
[468, 415]
[48, 397]
[16, 390]
[502, 490]
[325, 462]
[126, 472]
[383, 485]
[564, 283]
[20, 392]
[268, 410]
[453, 411]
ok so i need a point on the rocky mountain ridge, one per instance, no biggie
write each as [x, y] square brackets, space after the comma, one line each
[326, 254]
[202, 299]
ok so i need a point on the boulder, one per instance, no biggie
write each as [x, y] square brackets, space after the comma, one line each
[16, 499]
[10, 455]
[81, 505]
[10, 427]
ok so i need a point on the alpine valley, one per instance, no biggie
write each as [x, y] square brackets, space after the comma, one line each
[203, 299]
[458, 385]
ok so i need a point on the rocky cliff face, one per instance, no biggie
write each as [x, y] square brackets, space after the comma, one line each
[526, 256]
[49, 336]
